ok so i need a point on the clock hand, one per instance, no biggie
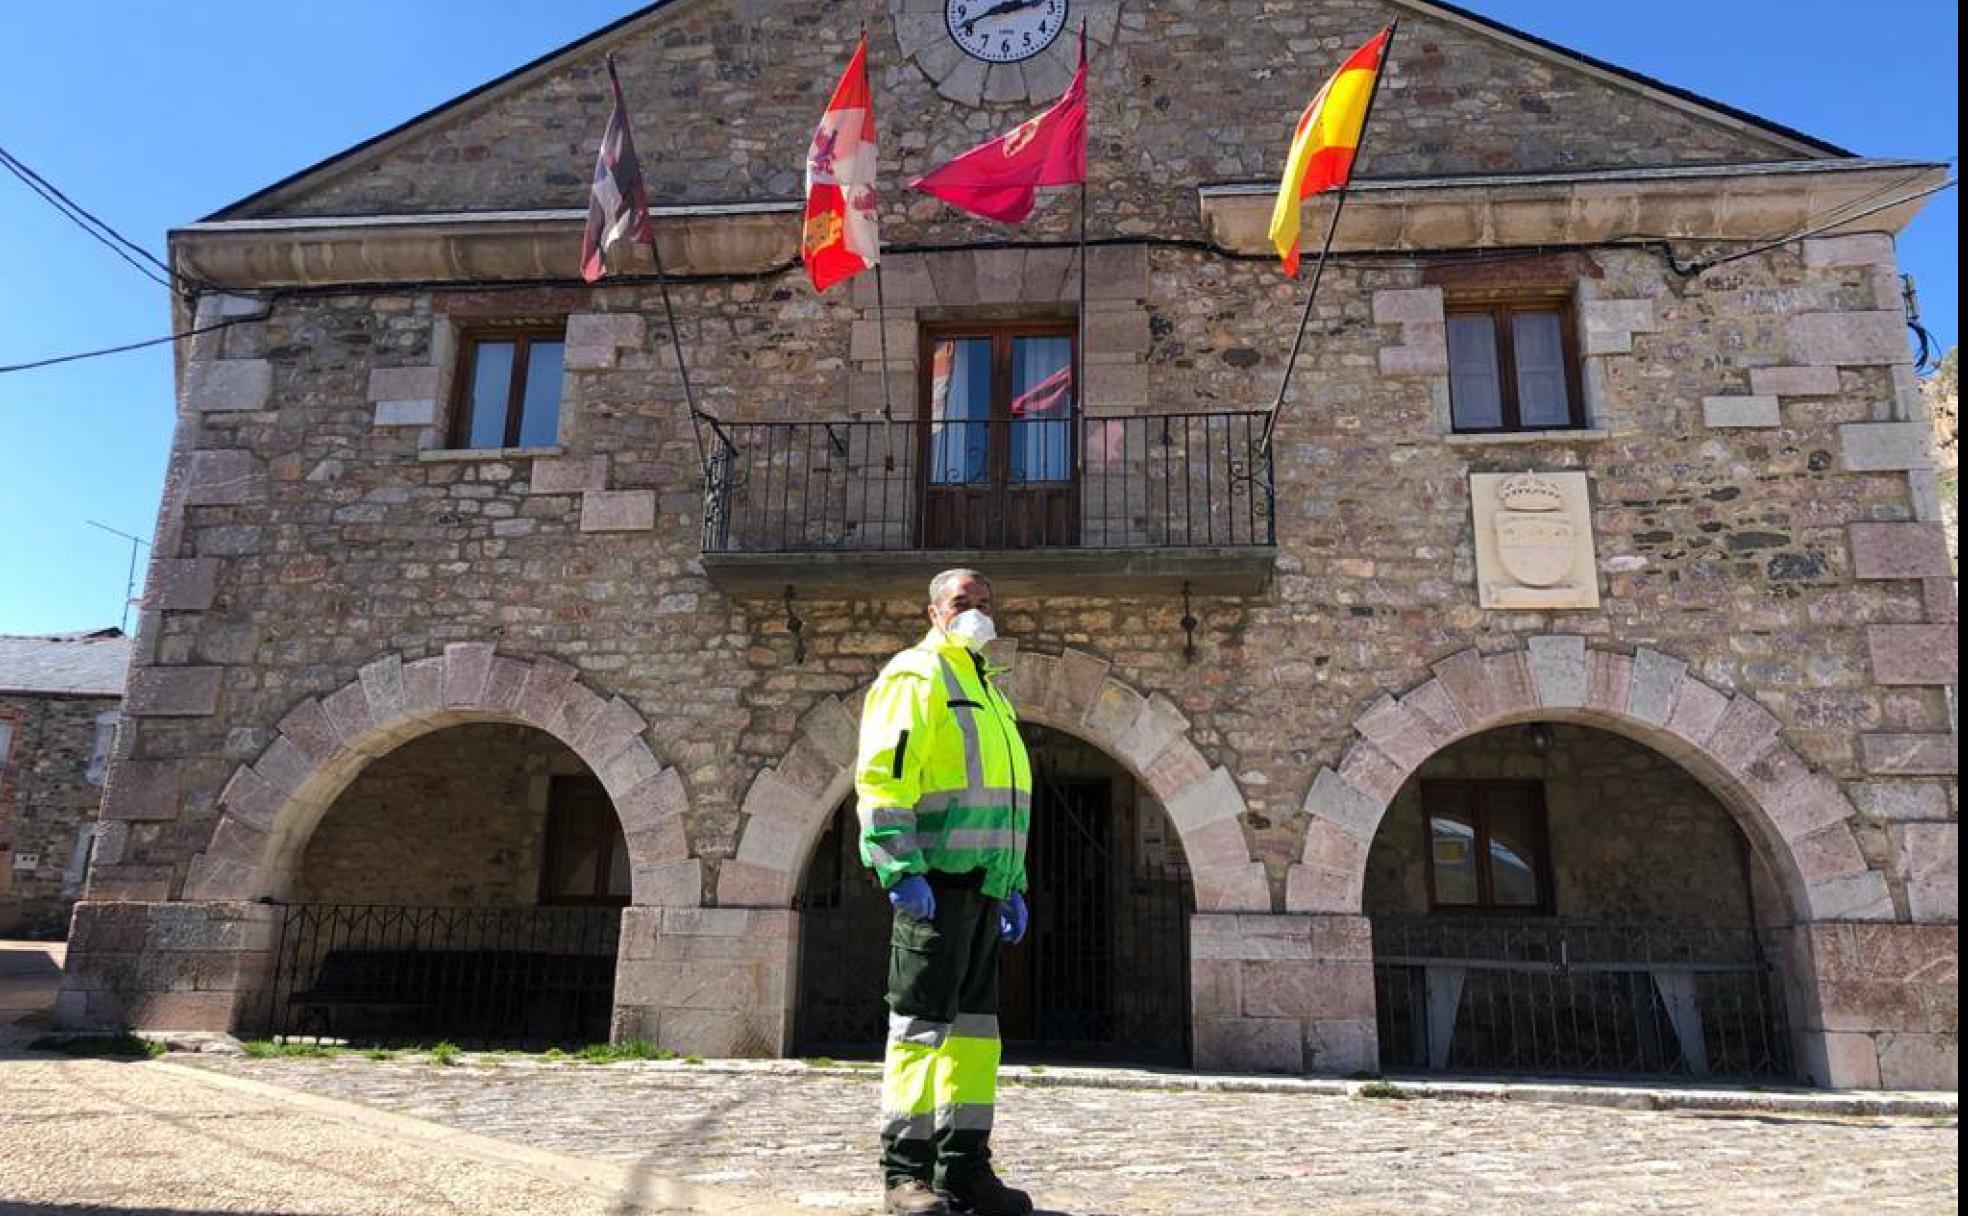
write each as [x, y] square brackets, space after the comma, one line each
[1001, 9]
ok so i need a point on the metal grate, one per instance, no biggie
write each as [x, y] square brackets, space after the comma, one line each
[361, 973]
[1155, 481]
[1477, 996]
[1104, 975]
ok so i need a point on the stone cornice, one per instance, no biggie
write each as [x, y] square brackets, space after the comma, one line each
[1695, 203]
[474, 247]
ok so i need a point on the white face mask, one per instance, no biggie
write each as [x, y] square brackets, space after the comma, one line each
[972, 629]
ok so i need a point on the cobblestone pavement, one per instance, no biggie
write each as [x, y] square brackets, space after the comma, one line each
[1094, 1152]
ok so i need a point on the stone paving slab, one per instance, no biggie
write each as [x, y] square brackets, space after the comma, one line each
[807, 1137]
[86, 1137]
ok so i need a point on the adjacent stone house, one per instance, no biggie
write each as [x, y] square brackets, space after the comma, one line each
[1565, 685]
[59, 705]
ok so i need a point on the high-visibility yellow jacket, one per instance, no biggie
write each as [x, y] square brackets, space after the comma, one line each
[943, 778]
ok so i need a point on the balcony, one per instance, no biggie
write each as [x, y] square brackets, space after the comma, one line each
[1073, 505]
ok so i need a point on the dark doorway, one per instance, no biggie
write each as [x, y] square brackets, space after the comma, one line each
[1104, 976]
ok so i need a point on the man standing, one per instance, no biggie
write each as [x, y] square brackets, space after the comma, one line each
[946, 804]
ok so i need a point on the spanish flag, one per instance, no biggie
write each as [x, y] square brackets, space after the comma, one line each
[1323, 147]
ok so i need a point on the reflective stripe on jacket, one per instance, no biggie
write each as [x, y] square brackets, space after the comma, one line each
[943, 778]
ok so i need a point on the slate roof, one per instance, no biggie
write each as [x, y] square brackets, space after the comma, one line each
[66, 664]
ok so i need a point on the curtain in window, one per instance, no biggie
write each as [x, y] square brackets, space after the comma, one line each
[1475, 385]
[960, 412]
[1537, 340]
[1042, 409]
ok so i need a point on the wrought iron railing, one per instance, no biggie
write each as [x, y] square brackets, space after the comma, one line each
[364, 973]
[1156, 481]
[1479, 996]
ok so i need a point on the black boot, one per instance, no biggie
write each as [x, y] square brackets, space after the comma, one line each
[913, 1198]
[979, 1193]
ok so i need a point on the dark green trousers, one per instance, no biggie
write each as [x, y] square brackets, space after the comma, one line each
[940, 1079]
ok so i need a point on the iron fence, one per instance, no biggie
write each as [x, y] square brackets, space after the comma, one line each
[370, 973]
[1477, 996]
[1145, 482]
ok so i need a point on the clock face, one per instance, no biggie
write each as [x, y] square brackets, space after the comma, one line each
[1005, 31]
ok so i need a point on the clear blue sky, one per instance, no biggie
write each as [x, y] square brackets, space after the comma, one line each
[154, 114]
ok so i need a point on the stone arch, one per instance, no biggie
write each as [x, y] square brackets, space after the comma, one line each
[788, 806]
[1799, 819]
[270, 807]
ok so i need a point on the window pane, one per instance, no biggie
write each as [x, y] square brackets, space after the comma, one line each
[571, 873]
[491, 381]
[1515, 825]
[960, 411]
[6, 743]
[1538, 342]
[1042, 409]
[1475, 389]
[539, 420]
[1453, 845]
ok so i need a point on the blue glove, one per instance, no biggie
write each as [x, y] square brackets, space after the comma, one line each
[913, 896]
[1013, 919]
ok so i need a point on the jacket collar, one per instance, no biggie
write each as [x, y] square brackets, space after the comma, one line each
[937, 644]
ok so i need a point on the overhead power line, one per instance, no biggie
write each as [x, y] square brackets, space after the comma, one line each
[78, 215]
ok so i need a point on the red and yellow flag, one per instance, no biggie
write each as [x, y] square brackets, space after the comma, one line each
[1325, 142]
[841, 236]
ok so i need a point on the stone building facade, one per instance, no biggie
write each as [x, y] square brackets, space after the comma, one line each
[59, 706]
[1279, 647]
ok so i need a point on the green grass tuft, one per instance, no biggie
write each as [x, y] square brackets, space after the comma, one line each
[445, 1054]
[269, 1049]
[1384, 1089]
[615, 1053]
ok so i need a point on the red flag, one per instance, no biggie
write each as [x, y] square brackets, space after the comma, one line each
[842, 233]
[1000, 180]
[618, 206]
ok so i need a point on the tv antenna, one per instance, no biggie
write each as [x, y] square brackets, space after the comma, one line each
[130, 585]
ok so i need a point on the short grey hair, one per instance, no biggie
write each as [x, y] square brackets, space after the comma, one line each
[941, 583]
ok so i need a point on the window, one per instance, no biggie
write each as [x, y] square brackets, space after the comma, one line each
[999, 403]
[1513, 366]
[100, 748]
[508, 390]
[586, 858]
[6, 745]
[1488, 847]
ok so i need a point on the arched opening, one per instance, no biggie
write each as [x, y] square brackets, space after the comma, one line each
[1551, 898]
[1104, 975]
[465, 886]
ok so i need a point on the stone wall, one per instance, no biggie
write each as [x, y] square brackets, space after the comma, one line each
[1787, 562]
[737, 85]
[1635, 840]
[457, 818]
[48, 802]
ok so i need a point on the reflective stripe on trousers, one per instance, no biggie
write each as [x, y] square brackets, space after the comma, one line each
[940, 1076]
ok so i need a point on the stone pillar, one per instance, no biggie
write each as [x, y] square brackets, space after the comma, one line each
[1876, 1005]
[707, 981]
[1283, 993]
[167, 966]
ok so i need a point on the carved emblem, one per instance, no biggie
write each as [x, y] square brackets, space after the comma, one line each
[1534, 541]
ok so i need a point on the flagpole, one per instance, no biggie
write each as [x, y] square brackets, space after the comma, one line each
[676, 344]
[1080, 356]
[1325, 247]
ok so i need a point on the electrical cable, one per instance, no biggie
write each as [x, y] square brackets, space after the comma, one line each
[27, 179]
[129, 346]
[99, 228]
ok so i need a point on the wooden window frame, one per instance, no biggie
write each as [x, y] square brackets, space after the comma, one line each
[1002, 336]
[1502, 309]
[552, 846]
[522, 336]
[1485, 905]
